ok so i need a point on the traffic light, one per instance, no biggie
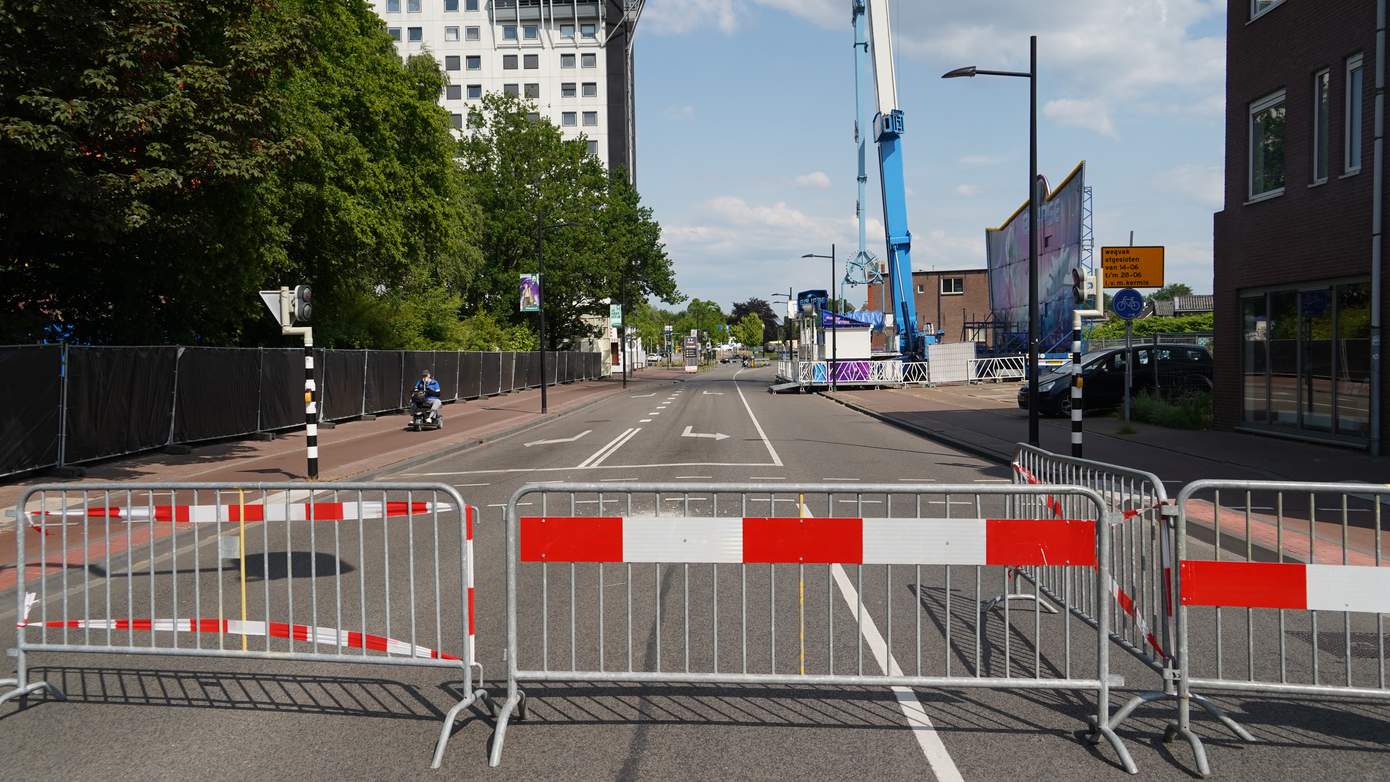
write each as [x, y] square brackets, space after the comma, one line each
[1083, 287]
[301, 310]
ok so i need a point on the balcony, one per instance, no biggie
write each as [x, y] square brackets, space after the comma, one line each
[559, 10]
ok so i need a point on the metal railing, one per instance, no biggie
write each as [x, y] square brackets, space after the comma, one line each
[916, 373]
[998, 368]
[744, 583]
[357, 573]
[1289, 586]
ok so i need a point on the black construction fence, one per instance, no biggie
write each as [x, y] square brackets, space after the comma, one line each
[68, 404]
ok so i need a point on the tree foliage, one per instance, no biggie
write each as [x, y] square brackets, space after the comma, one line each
[1147, 327]
[763, 311]
[1171, 291]
[748, 331]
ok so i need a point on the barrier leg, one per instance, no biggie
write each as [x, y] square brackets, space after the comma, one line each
[515, 702]
[21, 684]
[449, 720]
[1013, 594]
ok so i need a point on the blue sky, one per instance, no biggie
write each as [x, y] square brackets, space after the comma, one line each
[745, 112]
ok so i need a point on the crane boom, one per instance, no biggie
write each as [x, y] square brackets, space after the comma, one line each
[888, 131]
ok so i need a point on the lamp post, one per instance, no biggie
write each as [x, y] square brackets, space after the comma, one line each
[787, 326]
[1033, 327]
[541, 228]
[834, 308]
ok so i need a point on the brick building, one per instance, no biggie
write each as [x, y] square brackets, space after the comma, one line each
[946, 301]
[1293, 245]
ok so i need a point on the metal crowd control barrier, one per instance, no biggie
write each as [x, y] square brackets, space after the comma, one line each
[358, 573]
[1298, 566]
[677, 583]
[1141, 546]
[998, 368]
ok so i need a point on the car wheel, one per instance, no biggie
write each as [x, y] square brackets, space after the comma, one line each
[1064, 407]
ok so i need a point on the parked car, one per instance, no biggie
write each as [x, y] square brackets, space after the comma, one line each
[1163, 369]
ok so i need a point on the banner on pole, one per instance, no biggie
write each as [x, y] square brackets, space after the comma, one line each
[530, 293]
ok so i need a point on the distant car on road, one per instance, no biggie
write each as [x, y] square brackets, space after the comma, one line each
[1163, 369]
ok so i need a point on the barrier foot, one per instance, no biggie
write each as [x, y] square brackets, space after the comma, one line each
[1199, 752]
[1134, 703]
[499, 733]
[21, 692]
[1097, 732]
[995, 602]
[1221, 716]
[448, 726]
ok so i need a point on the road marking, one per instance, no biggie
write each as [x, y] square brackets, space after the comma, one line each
[942, 766]
[693, 477]
[917, 480]
[644, 421]
[832, 480]
[767, 477]
[556, 441]
[642, 396]
[776, 460]
[711, 435]
[658, 465]
[605, 448]
[867, 502]
[712, 393]
[620, 443]
[613, 480]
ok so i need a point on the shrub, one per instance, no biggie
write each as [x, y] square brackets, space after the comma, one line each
[1188, 410]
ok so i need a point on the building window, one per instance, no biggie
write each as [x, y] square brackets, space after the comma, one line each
[589, 61]
[472, 33]
[588, 30]
[513, 90]
[1355, 95]
[567, 31]
[1321, 88]
[1259, 7]
[456, 120]
[453, 92]
[590, 119]
[569, 119]
[531, 32]
[533, 91]
[567, 89]
[393, 6]
[1267, 146]
[509, 32]
[451, 5]
[921, 288]
[452, 62]
[474, 62]
[591, 89]
[509, 62]
[415, 34]
[532, 116]
[394, 33]
[532, 61]
[475, 91]
[451, 33]
[567, 61]
[470, 5]
[950, 286]
[593, 147]
[412, 6]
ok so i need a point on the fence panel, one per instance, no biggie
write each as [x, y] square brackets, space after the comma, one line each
[595, 570]
[533, 377]
[508, 360]
[342, 378]
[471, 375]
[446, 370]
[491, 374]
[30, 396]
[385, 381]
[281, 399]
[357, 573]
[119, 400]
[217, 395]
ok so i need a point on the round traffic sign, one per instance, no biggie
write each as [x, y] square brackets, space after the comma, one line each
[1128, 303]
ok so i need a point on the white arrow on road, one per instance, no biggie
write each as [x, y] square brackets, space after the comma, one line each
[554, 442]
[713, 393]
[715, 436]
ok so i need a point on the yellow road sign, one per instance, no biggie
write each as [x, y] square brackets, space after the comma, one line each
[1132, 267]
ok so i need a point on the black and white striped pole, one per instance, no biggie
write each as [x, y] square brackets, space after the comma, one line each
[1084, 285]
[291, 308]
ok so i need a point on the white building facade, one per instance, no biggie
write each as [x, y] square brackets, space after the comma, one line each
[571, 59]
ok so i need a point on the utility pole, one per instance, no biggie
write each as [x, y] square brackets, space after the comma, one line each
[290, 308]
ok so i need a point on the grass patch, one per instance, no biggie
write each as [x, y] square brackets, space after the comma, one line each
[1189, 410]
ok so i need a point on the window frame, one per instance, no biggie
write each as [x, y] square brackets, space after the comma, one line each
[414, 34]
[592, 32]
[472, 33]
[513, 90]
[569, 89]
[473, 92]
[1273, 99]
[569, 119]
[515, 32]
[1256, 13]
[515, 62]
[527, 88]
[470, 5]
[586, 92]
[530, 32]
[1352, 130]
[473, 62]
[941, 286]
[393, 6]
[453, 92]
[586, 116]
[395, 34]
[588, 57]
[1322, 127]
[571, 29]
[448, 9]
[530, 62]
[453, 62]
[414, 6]
[453, 30]
[571, 59]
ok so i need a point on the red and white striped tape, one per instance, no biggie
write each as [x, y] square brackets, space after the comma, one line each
[1288, 585]
[793, 540]
[219, 514]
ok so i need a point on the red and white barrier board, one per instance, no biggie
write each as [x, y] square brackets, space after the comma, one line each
[1289, 585]
[294, 511]
[793, 540]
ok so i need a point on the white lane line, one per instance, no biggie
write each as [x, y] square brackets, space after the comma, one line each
[654, 412]
[776, 460]
[614, 449]
[869, 502]
[767, 477]
[642, 396]
[613, 480]
[942, 766]
[693, 477]
[838, 480]
[605, 448]
[644, 421]
[658, 465]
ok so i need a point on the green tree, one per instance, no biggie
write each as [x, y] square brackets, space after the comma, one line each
[763, 310]
[705, 316]
[1170, 291]
[748, 331]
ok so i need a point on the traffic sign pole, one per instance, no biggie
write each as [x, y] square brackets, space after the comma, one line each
[1128, 304]
[1129, 361]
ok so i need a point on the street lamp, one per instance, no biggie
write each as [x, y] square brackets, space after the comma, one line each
[787, 331]
[834, 308]
[541, 228]
[1032, 76]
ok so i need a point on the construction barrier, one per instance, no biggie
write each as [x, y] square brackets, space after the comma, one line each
[1282, 577]
[620, 583]
[358, 573]
[1141, 546]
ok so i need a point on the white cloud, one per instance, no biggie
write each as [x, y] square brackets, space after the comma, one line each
[816, 180]
[977, 161]
[1203, 184]
[686, 112]
[969, 191]
[677, 18]
[1085, 113]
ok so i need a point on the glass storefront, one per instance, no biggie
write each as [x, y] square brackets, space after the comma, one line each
[1305, 358]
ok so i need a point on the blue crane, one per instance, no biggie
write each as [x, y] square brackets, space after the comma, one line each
[873, 52]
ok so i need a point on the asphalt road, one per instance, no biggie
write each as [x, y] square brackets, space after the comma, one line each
[176, 718]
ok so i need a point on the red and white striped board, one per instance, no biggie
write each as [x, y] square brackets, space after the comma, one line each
[792, 540]
[1288, 585]
[220, 514]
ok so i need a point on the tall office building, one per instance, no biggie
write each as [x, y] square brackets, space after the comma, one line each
[572, 59]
